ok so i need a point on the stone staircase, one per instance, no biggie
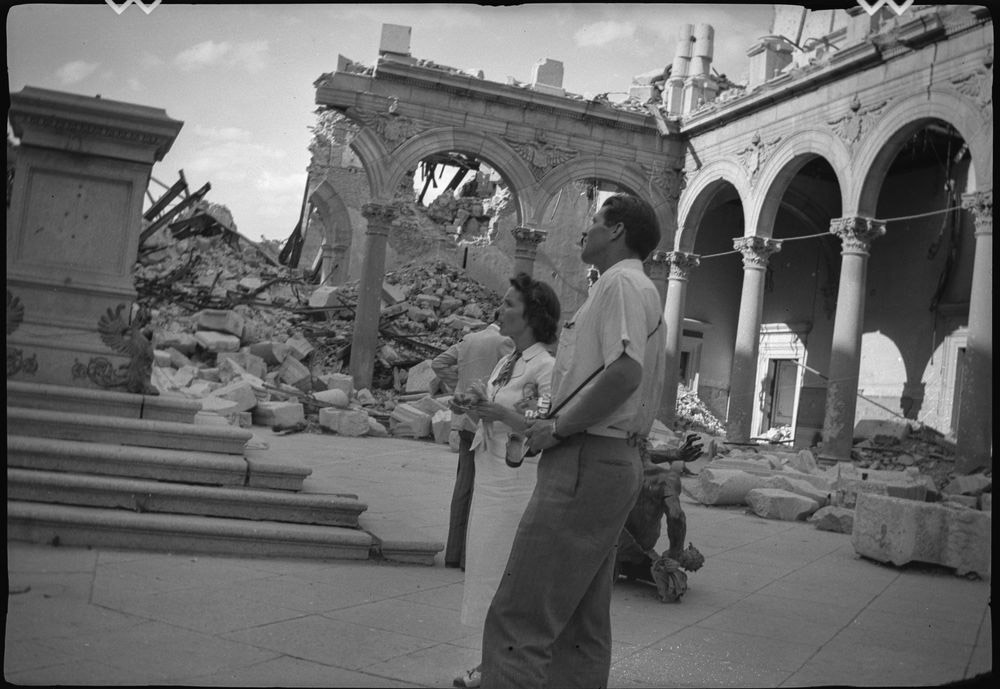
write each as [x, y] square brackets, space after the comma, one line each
[97, 468]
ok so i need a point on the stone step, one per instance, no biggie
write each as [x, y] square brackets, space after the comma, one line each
[179, 498]
[73, 525]
[126, 461]
[100, 402]
[139, 432]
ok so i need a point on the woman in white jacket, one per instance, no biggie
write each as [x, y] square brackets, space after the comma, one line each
[529, 315]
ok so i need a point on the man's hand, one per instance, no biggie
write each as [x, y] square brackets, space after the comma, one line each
[538, 435]
[691, 449]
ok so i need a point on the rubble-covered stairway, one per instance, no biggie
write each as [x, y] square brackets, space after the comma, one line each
[97, 468]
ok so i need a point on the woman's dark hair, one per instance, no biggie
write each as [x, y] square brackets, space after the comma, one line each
[642, 229]
[541, 307]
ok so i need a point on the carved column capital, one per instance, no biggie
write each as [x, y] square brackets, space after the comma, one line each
[529, 235]
[681, 264]
[379, 217]
[657, 265]
[980, 203]
[856, 233]
[756, 250]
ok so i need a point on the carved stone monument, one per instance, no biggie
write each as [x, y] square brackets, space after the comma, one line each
[73, 220]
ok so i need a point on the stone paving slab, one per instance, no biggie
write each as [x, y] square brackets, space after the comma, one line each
[777, 604]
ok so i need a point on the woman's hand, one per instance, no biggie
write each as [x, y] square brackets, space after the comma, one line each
[491, 411]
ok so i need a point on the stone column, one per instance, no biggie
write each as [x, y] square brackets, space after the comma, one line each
[975, 420]
[326, 267]
[657, 267]
[526, 248]
[73, 224]
[742, 381]
[339, 264]
[856, 235]
[366, 318]
[680, 265]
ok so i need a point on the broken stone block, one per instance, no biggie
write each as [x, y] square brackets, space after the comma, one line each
[324, 296]
[803, 461]
[239, 392]
[832, 518]
[334, 396]
[248, 362]
[299, 347]
[392, 294]
[419, 315]
[775, 503]
[217, 341]
[350, 422]
[200, 387]
[162, 380]
[901, 531]
[182, 342]
[449, 305]
[870, 428]
[365, 397]
[178, 358]
[972, 484]
[240, 419]
[429, 405]
[218, 405]
[221, 320]
[161, 358]
[408, 421]
[420, 377]
[339, 381]
[427, 301]
[295, 374]
[184, 375]
[272, 414]
[441, 426]
[726, 486]
[376, 429]
[273, 353]
[249, 284]
[798, 487]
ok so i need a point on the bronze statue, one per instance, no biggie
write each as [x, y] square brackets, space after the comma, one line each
[133, 340]
[660, 497]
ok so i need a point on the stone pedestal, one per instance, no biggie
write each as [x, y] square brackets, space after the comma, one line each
[526, 248]
[73, 227]
[365, 339]
[756, 252]
[856, 235]
[975, 420]
[673, 318]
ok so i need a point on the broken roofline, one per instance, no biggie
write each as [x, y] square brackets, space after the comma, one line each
[467, 85]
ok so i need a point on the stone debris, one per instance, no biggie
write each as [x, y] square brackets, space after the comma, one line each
[775, 503]
[833, 518]
[900, 531]
[725, 486]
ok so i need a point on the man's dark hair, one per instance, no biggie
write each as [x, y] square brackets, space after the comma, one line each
[642, 229]
[541, 307]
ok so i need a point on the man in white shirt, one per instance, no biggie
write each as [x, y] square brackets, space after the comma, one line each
[549, 623]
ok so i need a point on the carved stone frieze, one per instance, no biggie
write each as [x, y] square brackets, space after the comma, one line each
[856, 234]
[16, 361]
[91, 129]
[541, 155]
[672, 180]
[980, 203]
[858, 120]
[978, 86]
[756, 250]
[99, 371]
[393, 128]
[753, 156]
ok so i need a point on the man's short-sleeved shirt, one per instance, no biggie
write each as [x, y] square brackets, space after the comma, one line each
[622, 315]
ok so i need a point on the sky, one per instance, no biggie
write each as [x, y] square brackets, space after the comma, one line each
[241, 77]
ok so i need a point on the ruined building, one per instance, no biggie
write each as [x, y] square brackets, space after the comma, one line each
[827, 219]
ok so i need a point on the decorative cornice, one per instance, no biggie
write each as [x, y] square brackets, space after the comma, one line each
[756, 250]
[753, 156]
[857, 122]
[857, 233]
[980, 203]
[681, 264]
[540, 154]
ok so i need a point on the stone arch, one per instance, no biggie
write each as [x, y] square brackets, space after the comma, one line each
[373, 154]
[332, 210]
[630, 176]
[883, 144]
[786, 162]
[698, 194]
[489, 148]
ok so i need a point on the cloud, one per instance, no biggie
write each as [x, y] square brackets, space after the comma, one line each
[222, 133]
[251, 55]
[603, 32]
[148, 59]
[76, 71]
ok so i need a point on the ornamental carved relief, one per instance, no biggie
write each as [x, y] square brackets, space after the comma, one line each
[393, 129]
[753, 156]
[91, 129]
[541, 155]
[980, 204]
[671, 180]
[379, 216]
[978, 86]
[681, 264]
[16, 361]
[527, 235]
[858, 120]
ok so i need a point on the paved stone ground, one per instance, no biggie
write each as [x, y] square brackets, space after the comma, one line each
[777, 604]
